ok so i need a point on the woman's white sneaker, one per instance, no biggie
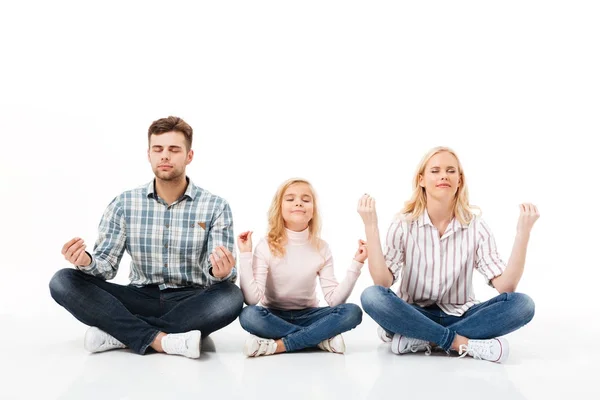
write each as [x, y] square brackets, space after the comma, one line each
[495, 350]
[383, 335]
[402, 344]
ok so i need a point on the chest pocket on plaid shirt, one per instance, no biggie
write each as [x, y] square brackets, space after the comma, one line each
[195, 234]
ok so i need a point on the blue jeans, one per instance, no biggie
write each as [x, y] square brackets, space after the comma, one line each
[136, 315]
[498, 316]
[300, 329]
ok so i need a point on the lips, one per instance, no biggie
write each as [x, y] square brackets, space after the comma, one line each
[443, 185]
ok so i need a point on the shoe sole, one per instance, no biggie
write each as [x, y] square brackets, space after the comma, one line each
[197, 335]
[504, 350]
[86, 339]
[396, 344]
[342, 346]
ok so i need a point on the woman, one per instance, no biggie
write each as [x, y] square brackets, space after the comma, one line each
[432, 247]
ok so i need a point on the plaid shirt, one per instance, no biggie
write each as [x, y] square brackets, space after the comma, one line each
[169, 245]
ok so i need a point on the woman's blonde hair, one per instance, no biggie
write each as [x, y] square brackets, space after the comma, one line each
[277, 236]
[463, 211]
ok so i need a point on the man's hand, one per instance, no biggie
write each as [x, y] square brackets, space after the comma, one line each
[222, 262]
[74, 252]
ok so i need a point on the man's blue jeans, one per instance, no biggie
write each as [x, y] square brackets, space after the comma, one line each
[136, 315]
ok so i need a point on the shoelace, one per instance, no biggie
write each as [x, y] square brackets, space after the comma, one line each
[416, 347]
[478, 353]
[111, 340]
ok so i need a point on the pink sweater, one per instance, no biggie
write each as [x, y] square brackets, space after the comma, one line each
[289, 283]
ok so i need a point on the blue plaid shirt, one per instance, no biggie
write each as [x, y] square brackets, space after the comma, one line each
[169, 245]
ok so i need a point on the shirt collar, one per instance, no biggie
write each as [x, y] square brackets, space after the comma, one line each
[191, 191]
[425, 220]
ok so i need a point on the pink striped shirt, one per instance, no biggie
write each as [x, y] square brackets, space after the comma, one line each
[434, 270]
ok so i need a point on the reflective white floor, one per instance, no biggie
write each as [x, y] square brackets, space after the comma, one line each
[43, 358]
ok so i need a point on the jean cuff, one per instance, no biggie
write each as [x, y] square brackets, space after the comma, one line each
[447, 340]
[288, 345]
[144, 347]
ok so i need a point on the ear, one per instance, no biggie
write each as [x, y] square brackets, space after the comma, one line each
[148, 152]
[421, 181]
[190, 157]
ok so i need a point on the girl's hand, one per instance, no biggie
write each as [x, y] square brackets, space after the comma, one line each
[244, 242]
[361, 254]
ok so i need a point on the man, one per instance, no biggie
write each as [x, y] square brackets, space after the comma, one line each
[180, 239]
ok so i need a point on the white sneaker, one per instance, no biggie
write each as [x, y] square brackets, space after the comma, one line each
[183, 344]
[333, 345]
[383, 335]
[256, 346]
[402, 344]
[495, 349]
[96, 341]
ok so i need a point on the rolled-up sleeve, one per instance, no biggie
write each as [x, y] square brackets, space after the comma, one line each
[393, 250]
[489, 263]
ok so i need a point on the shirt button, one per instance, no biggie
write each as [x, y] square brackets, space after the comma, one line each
[166, 246]
[165, 265]
[167, 225]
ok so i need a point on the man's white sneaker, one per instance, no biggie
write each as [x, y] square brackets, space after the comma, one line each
[96, 341]
[495, 349]
[402, 345]
[183, 344]
[256, 346]
[334, 345]
[383, 335]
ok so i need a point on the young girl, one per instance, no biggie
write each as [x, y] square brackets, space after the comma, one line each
[433, 248]
[282, 277]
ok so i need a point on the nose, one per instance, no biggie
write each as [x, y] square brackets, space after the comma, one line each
[165, 155]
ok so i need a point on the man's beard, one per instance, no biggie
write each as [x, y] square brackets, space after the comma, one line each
[168, 176]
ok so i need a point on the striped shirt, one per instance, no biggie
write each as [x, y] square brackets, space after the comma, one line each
[169, 245]
[434, 270]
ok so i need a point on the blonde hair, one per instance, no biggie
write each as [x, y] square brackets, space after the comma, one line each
[415, 207]
[277, 236]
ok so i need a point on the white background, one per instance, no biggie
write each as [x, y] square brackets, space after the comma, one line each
[348, 95]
